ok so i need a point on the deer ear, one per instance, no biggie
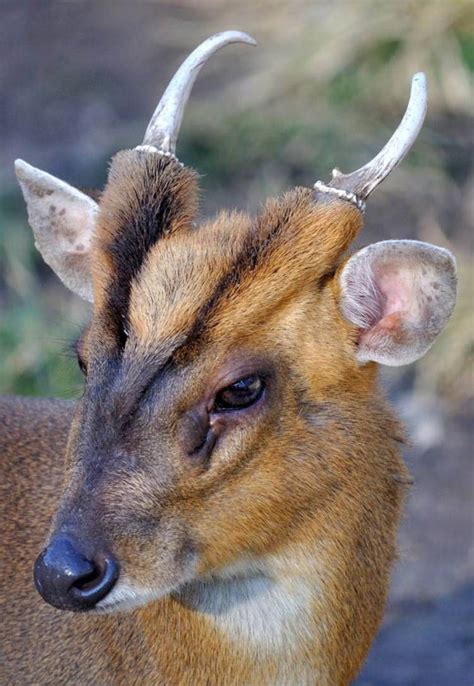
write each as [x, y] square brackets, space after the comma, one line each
[399, 294]
[63, 222]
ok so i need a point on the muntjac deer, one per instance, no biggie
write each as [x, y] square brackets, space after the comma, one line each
[221, 505]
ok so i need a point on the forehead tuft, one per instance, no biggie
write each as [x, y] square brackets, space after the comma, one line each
[180, 276]
[155, 269]
[148, 197]
[229, 275]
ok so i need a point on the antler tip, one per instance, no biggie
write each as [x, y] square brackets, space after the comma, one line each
[419, 76]
[419, 94]
[234, 37]
[419, 83]
[247, 38]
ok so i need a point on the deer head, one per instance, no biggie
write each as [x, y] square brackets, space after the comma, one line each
[230, 391]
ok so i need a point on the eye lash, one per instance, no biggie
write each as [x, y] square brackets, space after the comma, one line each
[82, 365]
[74, 347]
[67, 348]
[221, 405]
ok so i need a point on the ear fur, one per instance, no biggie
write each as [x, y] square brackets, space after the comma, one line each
[399, 294]
[63, 222]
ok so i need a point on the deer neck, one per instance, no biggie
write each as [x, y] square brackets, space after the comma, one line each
[255, 603]
[256, 619]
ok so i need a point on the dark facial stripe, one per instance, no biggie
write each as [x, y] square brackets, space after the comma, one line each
[150, 196]
[261, 239]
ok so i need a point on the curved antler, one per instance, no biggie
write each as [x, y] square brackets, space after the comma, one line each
[162, 131]
[362, 182]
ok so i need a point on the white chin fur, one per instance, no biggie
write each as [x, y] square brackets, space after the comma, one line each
[125, 597]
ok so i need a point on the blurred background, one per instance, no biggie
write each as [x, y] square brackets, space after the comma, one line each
[326, 87]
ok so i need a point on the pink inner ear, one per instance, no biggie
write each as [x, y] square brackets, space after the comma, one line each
[376, 291]
[395, 290]
[394, 287]
[391, 321]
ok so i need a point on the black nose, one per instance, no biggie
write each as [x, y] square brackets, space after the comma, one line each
[68, 580]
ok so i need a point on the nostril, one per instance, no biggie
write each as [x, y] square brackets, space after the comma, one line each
[69, 580]
[94, 586]
[89, 580]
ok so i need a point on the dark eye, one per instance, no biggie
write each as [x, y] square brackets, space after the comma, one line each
[78, 348]
[82, 364]
[239, 395]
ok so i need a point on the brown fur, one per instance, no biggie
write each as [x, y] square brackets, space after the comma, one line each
[300, 498]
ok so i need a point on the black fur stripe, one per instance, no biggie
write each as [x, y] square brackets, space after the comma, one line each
[148, 196]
